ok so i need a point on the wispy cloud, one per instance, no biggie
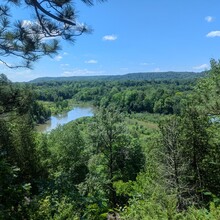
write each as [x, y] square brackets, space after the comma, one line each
[209, 18]
[146, 64]
[64, 64]
[82, 72]
[201, 67]
[213, 34]
[58, 57]
[157, 69]
[110, 37]
[67, 73]
[91, 61]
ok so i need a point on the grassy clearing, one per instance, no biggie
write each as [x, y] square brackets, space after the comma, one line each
[145, 127]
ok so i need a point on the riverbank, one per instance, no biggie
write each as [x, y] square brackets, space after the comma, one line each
[63, 106]
[76, 112]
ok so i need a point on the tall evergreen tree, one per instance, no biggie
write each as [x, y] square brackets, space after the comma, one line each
[120, 154]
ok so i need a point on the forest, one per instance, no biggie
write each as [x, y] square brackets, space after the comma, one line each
[130, 76]
[151, 150]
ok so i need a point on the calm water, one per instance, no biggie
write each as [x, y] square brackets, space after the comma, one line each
[64, 118]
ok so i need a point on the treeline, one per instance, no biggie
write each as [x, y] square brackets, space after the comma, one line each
[181, 179]
[69, 173]
[130, 76]
[131, 96]
[116, 165]
[19, 99]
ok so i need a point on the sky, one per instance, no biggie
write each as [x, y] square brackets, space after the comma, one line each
[134, 36]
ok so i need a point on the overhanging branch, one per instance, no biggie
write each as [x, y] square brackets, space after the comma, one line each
[63, 20]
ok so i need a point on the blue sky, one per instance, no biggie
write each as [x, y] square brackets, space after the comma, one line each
[135, 36]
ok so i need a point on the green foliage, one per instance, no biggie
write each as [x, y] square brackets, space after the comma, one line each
[150, 76]
[19, 99]
[118, 162]
[191, 152]
[132, 96]
[19, 168]
[26, 40]
[121, 156]
[67, 154]
[48, 208]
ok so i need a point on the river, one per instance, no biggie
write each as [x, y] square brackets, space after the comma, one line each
[64, 118]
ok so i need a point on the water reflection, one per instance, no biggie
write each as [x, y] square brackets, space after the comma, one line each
[64, 118]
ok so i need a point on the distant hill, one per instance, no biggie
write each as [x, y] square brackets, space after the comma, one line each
[130, 76]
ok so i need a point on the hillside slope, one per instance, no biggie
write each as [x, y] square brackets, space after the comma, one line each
[129, 76]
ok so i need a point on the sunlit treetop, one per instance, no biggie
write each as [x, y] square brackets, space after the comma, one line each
[30, 40]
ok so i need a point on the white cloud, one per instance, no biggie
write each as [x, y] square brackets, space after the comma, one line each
[26, 23]
[146, 64]
[67, 73]
[91, 61]
[213, 34]
[209, 18]
[201, 67]
[82, 72]
[64, 64]
[157, 69]
[65, 53]
[58, 58]
[110, 37]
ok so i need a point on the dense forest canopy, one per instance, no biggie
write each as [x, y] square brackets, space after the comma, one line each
[131, 76]
[151, 150]
[154, 96]
[125, 162]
